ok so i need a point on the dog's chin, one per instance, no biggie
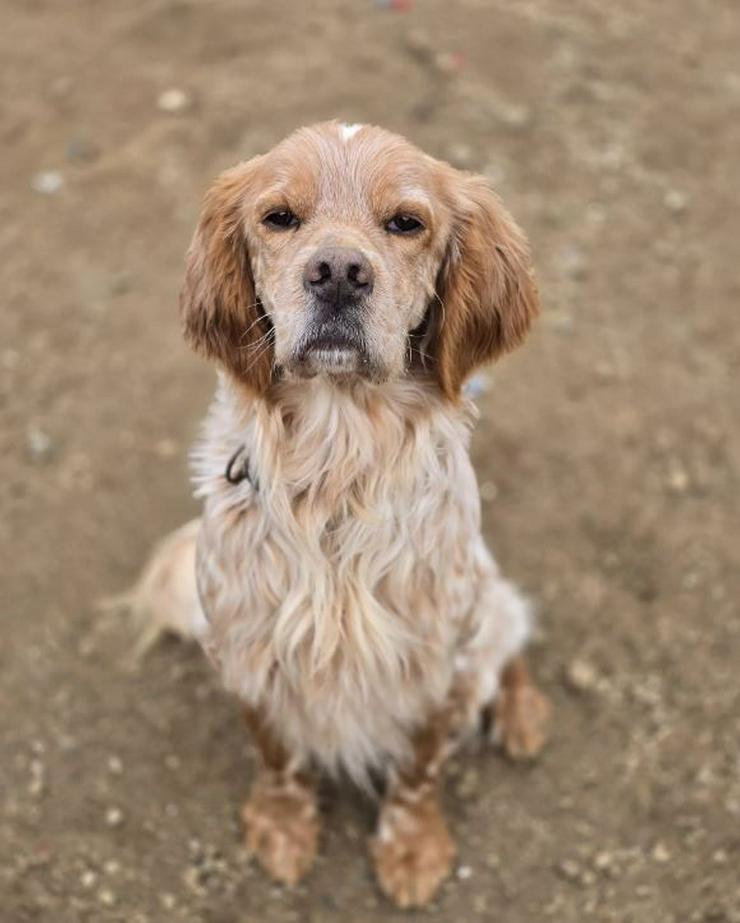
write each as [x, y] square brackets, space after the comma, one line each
[333, 360]
[338, 361]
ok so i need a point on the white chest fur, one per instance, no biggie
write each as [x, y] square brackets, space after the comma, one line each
[339, 590]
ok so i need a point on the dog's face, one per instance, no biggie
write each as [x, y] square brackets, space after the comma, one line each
[345, 244]
[347, 252]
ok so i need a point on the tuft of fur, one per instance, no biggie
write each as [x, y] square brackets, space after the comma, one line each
[164, 600]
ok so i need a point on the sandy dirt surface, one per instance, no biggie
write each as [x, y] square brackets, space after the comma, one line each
[608, 449]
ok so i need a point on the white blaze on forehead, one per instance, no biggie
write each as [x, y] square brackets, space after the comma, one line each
[347, 131]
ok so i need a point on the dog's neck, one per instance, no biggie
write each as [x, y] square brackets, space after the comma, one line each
[314, 435]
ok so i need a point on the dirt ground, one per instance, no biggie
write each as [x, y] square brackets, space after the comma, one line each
[608, 449]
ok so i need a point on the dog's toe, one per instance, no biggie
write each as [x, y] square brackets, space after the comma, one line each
[282, 831]
[412, 859]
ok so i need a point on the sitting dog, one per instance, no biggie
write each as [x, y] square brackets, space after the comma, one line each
[346, 284]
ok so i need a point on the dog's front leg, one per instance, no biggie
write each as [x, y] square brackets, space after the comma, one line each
[281, 815]
[412, 848]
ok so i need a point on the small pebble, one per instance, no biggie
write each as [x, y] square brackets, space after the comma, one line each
[192, 879]
[48, 182]
[166, 448]
[106, 897]
[36, 785]
[167, 901]
[604, 863]
[39, 445]
[114, 817]
[678, 478]
[464, 872]
[675, 200]
[581, 676]
[661, 853]
[449, 62]
[88, 879]
[569, 869]
[115, 765]
[604, 371]
[596, 213]
[173, 100]
[574, 262]
[514, 115]
[488, 491]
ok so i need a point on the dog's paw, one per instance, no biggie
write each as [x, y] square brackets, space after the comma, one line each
[413, 853]
[522, 721]
[282, 829]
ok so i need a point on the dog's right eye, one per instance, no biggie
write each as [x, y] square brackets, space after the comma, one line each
[281, 220]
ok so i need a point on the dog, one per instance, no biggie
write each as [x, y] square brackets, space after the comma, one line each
[347, 285]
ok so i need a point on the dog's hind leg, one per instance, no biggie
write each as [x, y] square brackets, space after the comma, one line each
[522, 714]
[492, 659]
[165, 597]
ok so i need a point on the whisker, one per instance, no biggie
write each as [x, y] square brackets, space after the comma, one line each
[254, 322]
[259, 355]
[441, 304]
[257, 343]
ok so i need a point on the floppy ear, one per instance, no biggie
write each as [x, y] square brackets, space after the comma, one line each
[221, 315]
[486, 286]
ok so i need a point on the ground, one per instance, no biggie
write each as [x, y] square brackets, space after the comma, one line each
[608, 448]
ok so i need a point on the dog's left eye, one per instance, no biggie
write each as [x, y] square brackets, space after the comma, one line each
[281, 219]
[404, 224]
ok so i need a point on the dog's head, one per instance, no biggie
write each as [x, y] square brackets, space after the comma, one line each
[347, 252]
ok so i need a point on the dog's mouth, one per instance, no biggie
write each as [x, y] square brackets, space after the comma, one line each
[337, 353]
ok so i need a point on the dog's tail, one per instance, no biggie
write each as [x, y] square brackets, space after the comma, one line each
[164, 600]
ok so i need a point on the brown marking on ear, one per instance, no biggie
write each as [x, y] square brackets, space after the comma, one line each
[221, 315]
[486, 286]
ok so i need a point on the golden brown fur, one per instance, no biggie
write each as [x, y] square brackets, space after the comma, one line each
[349, 598]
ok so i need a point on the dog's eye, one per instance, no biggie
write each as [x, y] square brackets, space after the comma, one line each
[404, 224]
[281, 219]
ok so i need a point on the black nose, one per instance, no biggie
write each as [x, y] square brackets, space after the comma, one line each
[338, 275]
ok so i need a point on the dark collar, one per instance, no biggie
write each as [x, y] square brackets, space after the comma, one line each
[237, 468]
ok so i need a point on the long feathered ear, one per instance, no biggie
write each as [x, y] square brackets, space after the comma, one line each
[221, 315]
[486, 286]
